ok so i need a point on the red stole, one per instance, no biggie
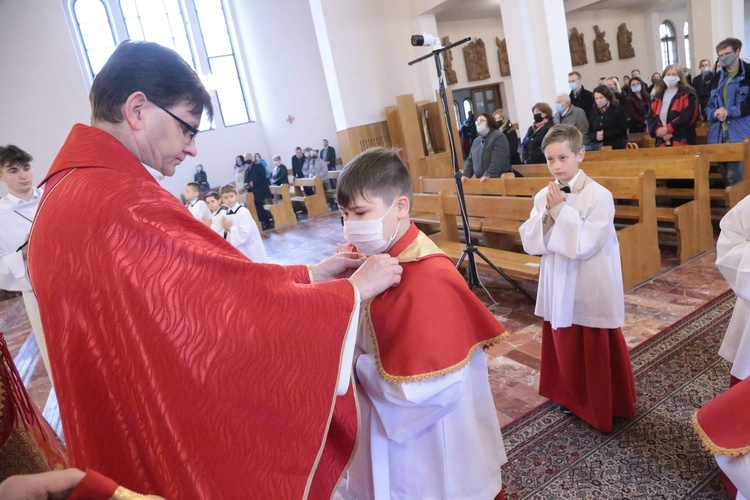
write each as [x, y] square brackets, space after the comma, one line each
[723, 424]
[431, 323]
[188, 370]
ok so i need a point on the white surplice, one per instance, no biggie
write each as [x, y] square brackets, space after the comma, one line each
[737, 470]
[733, 260]
[244, 234]
[433, 439]
[199, 209]
[16, 217]
[580, 279]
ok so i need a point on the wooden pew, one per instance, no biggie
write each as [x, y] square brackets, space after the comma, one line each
[333, 177]
[316, 204]
[692, 220]
[282, 210]
[250, 205]
[736, 151]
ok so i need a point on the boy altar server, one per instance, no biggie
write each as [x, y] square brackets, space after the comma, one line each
[585, 362]
[195, 205]
[733, 260]
[239, 228]
[428, 426]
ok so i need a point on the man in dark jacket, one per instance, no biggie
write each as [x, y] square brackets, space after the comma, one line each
[579, 96]
[257, 182]
[728, 108]
[328, 155]
[702, 85]
[298, 161]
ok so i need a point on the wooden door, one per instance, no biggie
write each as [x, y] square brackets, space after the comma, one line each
[486, 99]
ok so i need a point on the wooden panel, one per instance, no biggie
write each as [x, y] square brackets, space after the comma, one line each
[355, 140]
[412, 136]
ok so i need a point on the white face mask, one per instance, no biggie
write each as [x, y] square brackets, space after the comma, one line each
[671, 81]
[368, 235]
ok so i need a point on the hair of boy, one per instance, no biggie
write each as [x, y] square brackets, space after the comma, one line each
[564, 132]
[157, 71]
[604, 90]
[213, 194]
[576, 73]
[298, 148]
[10, 155]
[377, 172]
[195, 186]
[276, 158]
[734, 43]
[228, 188]
[543, 107]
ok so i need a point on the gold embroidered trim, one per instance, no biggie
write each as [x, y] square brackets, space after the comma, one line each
[714, 448]
[400, 379]
[125, 494]
[421, 247]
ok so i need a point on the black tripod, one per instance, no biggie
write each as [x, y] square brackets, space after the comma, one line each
[470, 250]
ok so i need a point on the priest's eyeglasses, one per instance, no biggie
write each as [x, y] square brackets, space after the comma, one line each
[189, 128]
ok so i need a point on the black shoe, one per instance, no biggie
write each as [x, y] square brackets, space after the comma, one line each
[267, 226]
[564, 409]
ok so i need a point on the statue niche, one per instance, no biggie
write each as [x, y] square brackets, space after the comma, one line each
[450, 74]
[502, 56]
[625, 42]
[577, 48]
[601, 47]
[475, 57]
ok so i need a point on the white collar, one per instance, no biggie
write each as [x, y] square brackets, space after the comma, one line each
[235, 207]
[35, 195]
[154, 173]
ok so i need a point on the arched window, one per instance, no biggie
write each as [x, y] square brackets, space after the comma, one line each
[468, 107]
[457, 110]
[668, 46]
[199, 30]
[686, 33]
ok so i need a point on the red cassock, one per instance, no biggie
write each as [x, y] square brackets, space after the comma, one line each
[183, 369]
[723, 423]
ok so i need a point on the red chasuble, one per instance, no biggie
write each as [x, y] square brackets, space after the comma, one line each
[723, 423]
[184, 369]
[431, 324]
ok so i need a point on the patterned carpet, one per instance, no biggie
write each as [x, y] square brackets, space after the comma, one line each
[655, 455]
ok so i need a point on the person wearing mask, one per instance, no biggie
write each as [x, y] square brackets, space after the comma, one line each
[201, 178]
[625, 83]
[608, 125]
[298, 161]
[702, 85]
[571, 115]
[637, 105]
[259, 159]
[239, 172]
[728, 109]
[579, 96]
[506, 127]
[531, 147]
[687, 75]
[613, 84]
[674, 110]
[655, 78]
[489, 151]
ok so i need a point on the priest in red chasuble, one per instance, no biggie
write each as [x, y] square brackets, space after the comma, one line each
[164, 388]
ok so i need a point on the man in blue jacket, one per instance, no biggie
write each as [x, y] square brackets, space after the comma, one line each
[728, 108]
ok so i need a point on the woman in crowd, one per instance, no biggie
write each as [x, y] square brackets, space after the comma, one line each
[258, 159]
[506, 127]
[531, 147]
[201, 178]
[608, 124]
[489, 151]
[239, 172]
[280, 173]
[674, 110]
[613, 84]
[637, 105]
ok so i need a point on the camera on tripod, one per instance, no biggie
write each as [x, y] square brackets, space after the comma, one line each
[425, 39]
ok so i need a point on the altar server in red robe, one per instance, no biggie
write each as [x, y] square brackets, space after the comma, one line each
[585, 362]
[169, 390]
[723, 424]
[429, 426]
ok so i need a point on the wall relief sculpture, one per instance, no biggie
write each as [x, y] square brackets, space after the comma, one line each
[625, 42]
[502, 56]
[601, 47]
[450, 73]
[577, 48]
[475, 57]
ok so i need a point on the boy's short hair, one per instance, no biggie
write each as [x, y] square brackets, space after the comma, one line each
[213, 194]
[276, 158]
[376, 172]
[10, 155]
[228, 188]
[195, 186]
[729, 42]
[564, 133]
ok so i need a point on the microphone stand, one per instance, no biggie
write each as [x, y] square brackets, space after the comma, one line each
[470, 251]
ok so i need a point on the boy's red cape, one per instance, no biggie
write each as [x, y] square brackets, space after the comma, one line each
[183, 369]
[723, 424]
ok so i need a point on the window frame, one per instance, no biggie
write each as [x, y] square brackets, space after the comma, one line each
[686, 41]
[668, 43]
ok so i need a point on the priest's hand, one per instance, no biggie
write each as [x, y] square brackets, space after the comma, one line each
[55, 484]
[339, 265]
[377, 274]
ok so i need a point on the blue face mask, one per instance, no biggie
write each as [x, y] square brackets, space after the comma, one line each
[559, 107]
[705, 69]
[637, 88]
[573, 85]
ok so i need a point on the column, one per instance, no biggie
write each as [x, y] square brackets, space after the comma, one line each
[711, 21]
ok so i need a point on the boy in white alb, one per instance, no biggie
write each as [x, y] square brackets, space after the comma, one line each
[239, 228]
[429, 427]
[194, 204]
[17, 211]
[585, 363]
[213, 200]
[733, 260]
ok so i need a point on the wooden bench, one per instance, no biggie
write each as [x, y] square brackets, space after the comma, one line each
[692, 220]
[316, 204]
[731, 152]
[333, 176]
[434, 186]
[250, 205]
[282, 210]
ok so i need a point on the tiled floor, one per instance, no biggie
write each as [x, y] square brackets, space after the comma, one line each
[514, 363]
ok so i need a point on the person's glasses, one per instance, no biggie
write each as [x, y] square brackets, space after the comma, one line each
[193, 131]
